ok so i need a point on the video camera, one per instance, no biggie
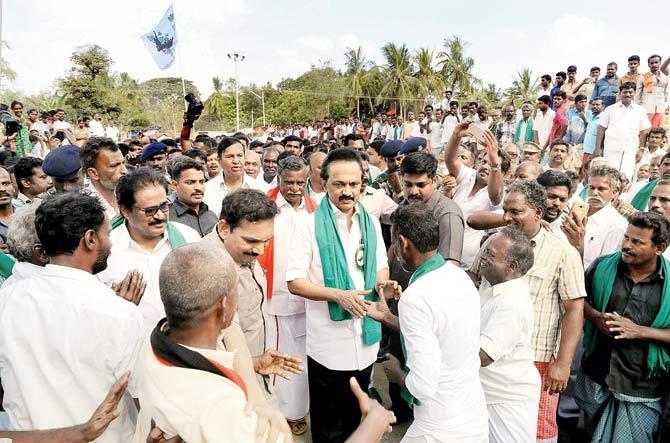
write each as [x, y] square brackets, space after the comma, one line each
[195, 107]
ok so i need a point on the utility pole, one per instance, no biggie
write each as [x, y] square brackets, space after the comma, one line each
[235, 56]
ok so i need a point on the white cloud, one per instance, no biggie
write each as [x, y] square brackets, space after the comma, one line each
[316, 42]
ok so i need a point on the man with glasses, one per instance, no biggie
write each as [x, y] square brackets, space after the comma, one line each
[143, 237]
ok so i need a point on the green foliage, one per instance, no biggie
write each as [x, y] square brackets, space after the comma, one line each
[524, 88]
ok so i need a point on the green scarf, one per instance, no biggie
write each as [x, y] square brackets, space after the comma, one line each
[7, 263]
[334, 263]
[433, 263]
[641, 199]
[528, 136]
[584, 194]
[174, 236]
[658, 359]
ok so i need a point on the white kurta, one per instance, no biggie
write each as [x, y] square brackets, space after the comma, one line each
[440, 326]
[622, 128]
[65, 338]
[603, 234]
[511, 383]
[337, 345]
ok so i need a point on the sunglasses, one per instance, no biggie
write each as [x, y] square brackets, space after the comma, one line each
[152, 210]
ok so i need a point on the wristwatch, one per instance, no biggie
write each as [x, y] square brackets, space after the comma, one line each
[495, 168]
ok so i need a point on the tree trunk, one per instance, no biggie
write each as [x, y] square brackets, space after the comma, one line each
[358, 107]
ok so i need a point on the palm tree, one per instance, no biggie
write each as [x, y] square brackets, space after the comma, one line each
[398, 85]
[456, 67]
[216, 103]
[524, 87]
[426, 74]
[356, 74]
[5, 70]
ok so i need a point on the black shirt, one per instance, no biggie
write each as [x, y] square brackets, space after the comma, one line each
[621, 365]
[203, 222]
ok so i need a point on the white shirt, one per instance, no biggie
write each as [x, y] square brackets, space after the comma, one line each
[435, 135]
[216, 190]
[603, 234]
[378, 204]
[465, 182]
[112, 132]
[374, 171]
[59, 125]
[441, 333]
[623, 126]
[127, 255]
[507, 315]
[21, 271]
[448, 126]
[65, 338]
[542, 123]
[41, 127]
[547, 91]
[197, 405]
[337, 345]
[95, 129]
[282, 301]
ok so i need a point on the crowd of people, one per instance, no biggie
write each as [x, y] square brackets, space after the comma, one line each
[507, 275]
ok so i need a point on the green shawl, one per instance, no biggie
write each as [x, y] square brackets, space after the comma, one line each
[174, 236]
[7, 263]
[528, 136]
[334, 263]
[433, 263]
[584, 194]
[641, 199]
[658, 359]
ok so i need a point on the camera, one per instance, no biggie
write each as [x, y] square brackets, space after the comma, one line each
[195, 107]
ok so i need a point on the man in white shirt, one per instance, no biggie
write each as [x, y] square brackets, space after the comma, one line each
[435, 143]
[605, 227]
[545, 86]
[144, 237]
[104, 165]
[65, 337]
[341, 341]
[508, 375]
[187, 380]
[314, 187]
[286, 327]
[232, 176]
[653, 92]
[112, 131]
[476, 190]
[95, 128]
[622, 132]
[59, 123]
[440, 330]
[543, 120]
[252, 164]
[268, 179]
[24, 245]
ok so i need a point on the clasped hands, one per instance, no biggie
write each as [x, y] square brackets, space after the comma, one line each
[353, 302]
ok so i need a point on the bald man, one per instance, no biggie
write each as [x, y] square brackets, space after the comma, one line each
[190, 373]
[527, 170]
[252, 164]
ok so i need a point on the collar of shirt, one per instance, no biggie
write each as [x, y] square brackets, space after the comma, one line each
[337, 212]
[538, 238]
[126, 240]
[180, 208]
[603, 215]
[658, 273]
[507, 287]
[69, 272]
[281, 202]
[24, 198]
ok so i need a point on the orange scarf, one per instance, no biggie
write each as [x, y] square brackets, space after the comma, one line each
[267, 260]
[648, 82]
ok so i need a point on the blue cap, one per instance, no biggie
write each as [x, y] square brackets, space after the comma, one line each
[414, 144]
[391, 148]
[62, 162]
[152, 149]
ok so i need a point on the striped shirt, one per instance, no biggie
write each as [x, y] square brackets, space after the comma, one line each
[557, 274]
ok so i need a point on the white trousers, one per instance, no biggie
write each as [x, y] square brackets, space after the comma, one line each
[514, 422]
[287, 334]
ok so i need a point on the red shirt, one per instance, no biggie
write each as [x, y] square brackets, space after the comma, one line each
[560, 119]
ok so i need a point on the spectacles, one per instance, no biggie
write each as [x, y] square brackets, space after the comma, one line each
[152, 210]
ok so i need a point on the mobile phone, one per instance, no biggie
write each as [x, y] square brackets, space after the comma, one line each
[579, 210]
[477, 133]
[12, 127]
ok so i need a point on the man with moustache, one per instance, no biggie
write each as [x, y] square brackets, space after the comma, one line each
[559, 151]
[286, 312]
[31, 180]
[268, 180]
[143, 236]
[213, 165]
[188, 183]
[389, 179]
[232, 176]
[557, 186]
[6, 205]
[627, 336]
[68, 336]
[557, 290]
[660, 204]
[338, 256]
[641, 199]
[154, 156]
[653, 92]
[604, 228]
[63, 165]
[252, 164]
[103, 163]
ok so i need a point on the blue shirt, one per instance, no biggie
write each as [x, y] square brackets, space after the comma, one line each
[590, 135]
[606, 90]
[553, 92]
[576, 126]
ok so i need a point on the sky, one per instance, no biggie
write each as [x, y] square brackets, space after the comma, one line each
[283, 38]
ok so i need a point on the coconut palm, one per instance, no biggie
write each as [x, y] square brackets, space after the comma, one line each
[429, 80]
[524, 87]
[216, 103]
[357, 74]
[398, 85]
[456, 67]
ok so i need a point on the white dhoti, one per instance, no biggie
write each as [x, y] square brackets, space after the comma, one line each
[623, 160]
[287, 334]
[514, 422]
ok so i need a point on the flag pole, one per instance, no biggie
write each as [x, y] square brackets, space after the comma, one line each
[183, 84]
